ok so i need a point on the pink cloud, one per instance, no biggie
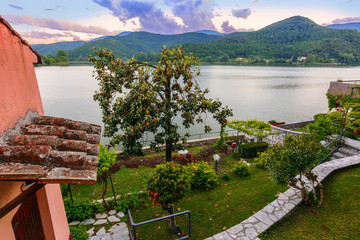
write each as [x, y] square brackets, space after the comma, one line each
[55, 24]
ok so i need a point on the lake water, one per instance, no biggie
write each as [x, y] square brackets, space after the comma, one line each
[266, 93]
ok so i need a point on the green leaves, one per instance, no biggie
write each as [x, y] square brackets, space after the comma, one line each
[253, 127]
[137, 97]
[106, 160]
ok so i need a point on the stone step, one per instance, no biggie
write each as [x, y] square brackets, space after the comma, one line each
[339, 155]
[348, 151]
[352, 143]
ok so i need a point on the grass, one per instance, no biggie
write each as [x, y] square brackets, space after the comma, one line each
[337, 218]
[213, 211]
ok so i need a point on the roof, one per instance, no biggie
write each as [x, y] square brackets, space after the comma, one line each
[23, 41]
[51, 150]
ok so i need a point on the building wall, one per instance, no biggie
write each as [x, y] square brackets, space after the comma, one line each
[19, 91]
[52, 212]
[9, 190]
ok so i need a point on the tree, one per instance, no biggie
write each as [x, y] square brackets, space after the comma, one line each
[290, 162]
[106, 161]
[137, 97]
[167, 185]
[62, 56]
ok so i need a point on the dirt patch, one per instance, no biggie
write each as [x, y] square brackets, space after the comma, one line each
[205, 155]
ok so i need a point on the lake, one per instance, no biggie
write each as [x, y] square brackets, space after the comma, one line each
[266, 93]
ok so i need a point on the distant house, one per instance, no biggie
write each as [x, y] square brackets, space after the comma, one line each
[239, 59]
[301, 59]
[37, 152]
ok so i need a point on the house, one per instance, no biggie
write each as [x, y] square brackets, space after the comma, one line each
[301, 59]
[37, 152]
[239, 59]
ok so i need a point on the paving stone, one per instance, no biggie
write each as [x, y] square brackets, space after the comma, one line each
[290, 192]
[95, 238]
[251, 220]
[280, 214]
[261, 227]
[273, 217]
[235, 229]
[289, 206]
[112, 212]
[100, 221]
[275, 204]
[101, 231]
[74, 223]
[87, 221]
[90, 231]
[232, 236]
[283, 197]
[251, 233]
[244, 238]
[101, 216]
[263, 217]
[122, 236]
[210, 238]
[120, 214]
[222, 236]
[269, 208]
[248, 225]
[240, 234]
[113, 219]
[106, 237]
[117, 227]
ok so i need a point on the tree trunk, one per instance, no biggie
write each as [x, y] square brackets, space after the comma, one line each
[104, 191]
[174, 228]
[168, 143]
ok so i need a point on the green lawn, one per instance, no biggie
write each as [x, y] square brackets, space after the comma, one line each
[337, 218]
[214, 210]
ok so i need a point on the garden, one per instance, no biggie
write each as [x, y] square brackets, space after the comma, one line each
[221, 184]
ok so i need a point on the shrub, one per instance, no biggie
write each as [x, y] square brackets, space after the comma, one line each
[130, 201]
[242, 169]
[322, 126]
[203, 176]
[78, 233]
[248, 150]
[351, 135]
[78, 210]
[263, 160]
[226, 177]
[168, 183]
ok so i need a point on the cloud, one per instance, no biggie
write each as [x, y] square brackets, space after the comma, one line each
[227, 28]
[245, 29]
[346, 20]
[46, 35]
[55, 8]
[241, 13]
[151, 18]
[255, 1]
[15, 6]
[54, 24]
[195, 14]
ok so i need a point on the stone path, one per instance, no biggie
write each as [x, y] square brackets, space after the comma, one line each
[118, 231]
[282, 206]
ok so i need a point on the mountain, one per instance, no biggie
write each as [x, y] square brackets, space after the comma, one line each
[292, 37]
[210, 32]
[46, 49]
[354, 25]
[135, 42]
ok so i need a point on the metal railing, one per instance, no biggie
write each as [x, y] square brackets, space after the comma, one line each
[132, 225]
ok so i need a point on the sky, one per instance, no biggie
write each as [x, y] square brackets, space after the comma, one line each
[48, 21]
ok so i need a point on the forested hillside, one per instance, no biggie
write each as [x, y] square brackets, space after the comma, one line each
[136, 42]
[288, 39]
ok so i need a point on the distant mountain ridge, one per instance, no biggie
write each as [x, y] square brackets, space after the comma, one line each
[46, 49]
[353, 25]
[289, 38]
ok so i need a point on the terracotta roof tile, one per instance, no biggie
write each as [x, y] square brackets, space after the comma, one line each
[51, 149]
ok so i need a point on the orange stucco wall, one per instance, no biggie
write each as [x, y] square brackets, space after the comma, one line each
[19, 91]
[8, 191]
[52, 212]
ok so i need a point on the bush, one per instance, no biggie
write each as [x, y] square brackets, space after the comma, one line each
[248, 150]
[78, 210]
[241, 169]
[203, 176]
[263, 160]
[351, 135]
[78, 233]
[130, 201]
[168, 183]
[322, 126]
